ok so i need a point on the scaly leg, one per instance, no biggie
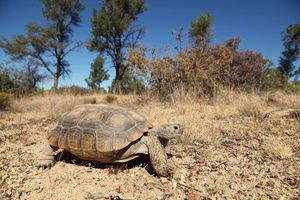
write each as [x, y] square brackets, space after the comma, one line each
[157, 155]
[46, 157]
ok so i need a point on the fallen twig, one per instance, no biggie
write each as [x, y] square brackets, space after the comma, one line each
[189, 187]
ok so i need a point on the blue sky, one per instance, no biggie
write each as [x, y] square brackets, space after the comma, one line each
[258, 23]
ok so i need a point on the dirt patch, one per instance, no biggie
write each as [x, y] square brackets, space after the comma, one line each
[229, 162]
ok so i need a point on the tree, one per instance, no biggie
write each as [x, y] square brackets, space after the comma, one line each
[7, 84]
[97, 74]
[48, 45]
[200, 29]
[28, 77]
[271, 78]
[114, 31]
[20, 80]
[291, 43]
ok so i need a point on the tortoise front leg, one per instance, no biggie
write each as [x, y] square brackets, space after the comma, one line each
[157, 155]
[46, 157]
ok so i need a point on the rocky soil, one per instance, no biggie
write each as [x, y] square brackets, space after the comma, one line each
[233, 164]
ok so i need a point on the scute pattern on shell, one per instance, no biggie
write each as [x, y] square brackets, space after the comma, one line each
[98, 132]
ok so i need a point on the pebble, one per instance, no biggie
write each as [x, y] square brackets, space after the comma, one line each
[89, 170]
[163, 180]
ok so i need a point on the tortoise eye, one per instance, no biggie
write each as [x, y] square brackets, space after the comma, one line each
[175, 127]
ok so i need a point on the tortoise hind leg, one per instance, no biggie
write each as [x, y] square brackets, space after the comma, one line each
[46, 157]
[157, 155]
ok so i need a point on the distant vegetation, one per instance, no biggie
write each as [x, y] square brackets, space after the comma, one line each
[114, 31]
[5, 100]
[97, 74]
[197, 67]
[291, 43]
[48, 46]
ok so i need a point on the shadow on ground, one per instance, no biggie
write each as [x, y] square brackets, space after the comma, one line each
[114, 168]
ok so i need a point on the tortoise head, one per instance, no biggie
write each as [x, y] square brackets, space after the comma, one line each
[167, 131]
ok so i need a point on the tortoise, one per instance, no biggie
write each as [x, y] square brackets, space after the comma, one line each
[110, 134]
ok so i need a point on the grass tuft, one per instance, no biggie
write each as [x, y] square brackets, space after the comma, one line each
[277, 149]
[110, 98]
[91, 100]
[251, 106]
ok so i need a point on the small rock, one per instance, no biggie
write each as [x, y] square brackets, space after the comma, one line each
[163, 180]
[95, 195]
[89, 170]
[132, 175]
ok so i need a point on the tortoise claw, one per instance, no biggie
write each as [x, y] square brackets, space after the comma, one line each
[44, 164]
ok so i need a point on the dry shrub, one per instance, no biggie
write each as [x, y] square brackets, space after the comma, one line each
[5, 100]
[110, 98]
[278, 149]
[195, 69]
[201, 70]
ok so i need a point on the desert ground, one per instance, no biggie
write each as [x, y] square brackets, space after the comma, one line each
[235, 146]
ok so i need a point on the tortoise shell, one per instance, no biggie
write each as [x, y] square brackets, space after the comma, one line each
[98, 132]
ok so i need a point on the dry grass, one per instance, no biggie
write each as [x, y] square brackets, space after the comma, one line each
[295, 114]
[278, 149]
[251, 105]
[91, 100]
[202, 118]
[282, 99]
[227, 143]
[53, 105]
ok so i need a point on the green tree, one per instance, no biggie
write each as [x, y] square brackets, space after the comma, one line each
[7, 83]
[51, 44]
[271, 78]
[114, 31]
[291, 43]
[132, 84]
[97, 74]
[201, 30]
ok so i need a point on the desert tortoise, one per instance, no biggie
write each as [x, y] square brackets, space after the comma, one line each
[110, 134]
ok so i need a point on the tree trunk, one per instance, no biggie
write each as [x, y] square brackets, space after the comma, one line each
[117, 83]
[55, 83]
[57, 73]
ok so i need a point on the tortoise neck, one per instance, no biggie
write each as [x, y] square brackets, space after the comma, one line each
[156, 133]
